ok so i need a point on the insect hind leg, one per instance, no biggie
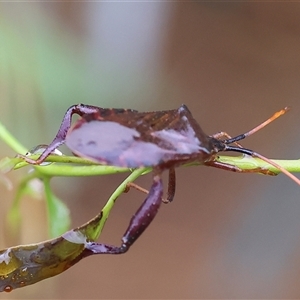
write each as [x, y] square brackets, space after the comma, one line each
[138, 223]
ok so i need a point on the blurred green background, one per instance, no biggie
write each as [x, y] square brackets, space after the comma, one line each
[233, 64]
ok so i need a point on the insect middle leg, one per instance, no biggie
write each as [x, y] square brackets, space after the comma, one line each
[171, 187]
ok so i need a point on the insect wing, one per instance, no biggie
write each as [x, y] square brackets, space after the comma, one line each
[114, 144]
[135, 139]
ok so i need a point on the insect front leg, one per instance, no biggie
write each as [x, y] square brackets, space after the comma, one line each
[60, 137]
[138, 223]
[227, 167]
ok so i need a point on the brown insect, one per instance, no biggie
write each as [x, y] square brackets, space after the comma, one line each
[162, 140]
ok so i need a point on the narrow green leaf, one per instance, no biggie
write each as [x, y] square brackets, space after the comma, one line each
[10, 140]
[13, 218]
[58, 213]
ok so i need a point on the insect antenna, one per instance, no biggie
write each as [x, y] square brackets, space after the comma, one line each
[267, 160]
[257, 128]
[255, 154]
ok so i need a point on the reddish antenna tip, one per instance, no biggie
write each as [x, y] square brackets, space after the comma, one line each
[282, 111]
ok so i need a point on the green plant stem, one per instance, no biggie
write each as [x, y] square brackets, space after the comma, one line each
[86, 167]
[111, 201]
[250, 163]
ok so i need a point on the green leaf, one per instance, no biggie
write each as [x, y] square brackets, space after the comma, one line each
[13, 218]
[27, 264]
[58, 213]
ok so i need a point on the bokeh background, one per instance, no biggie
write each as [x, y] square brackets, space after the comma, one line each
[233, 64]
